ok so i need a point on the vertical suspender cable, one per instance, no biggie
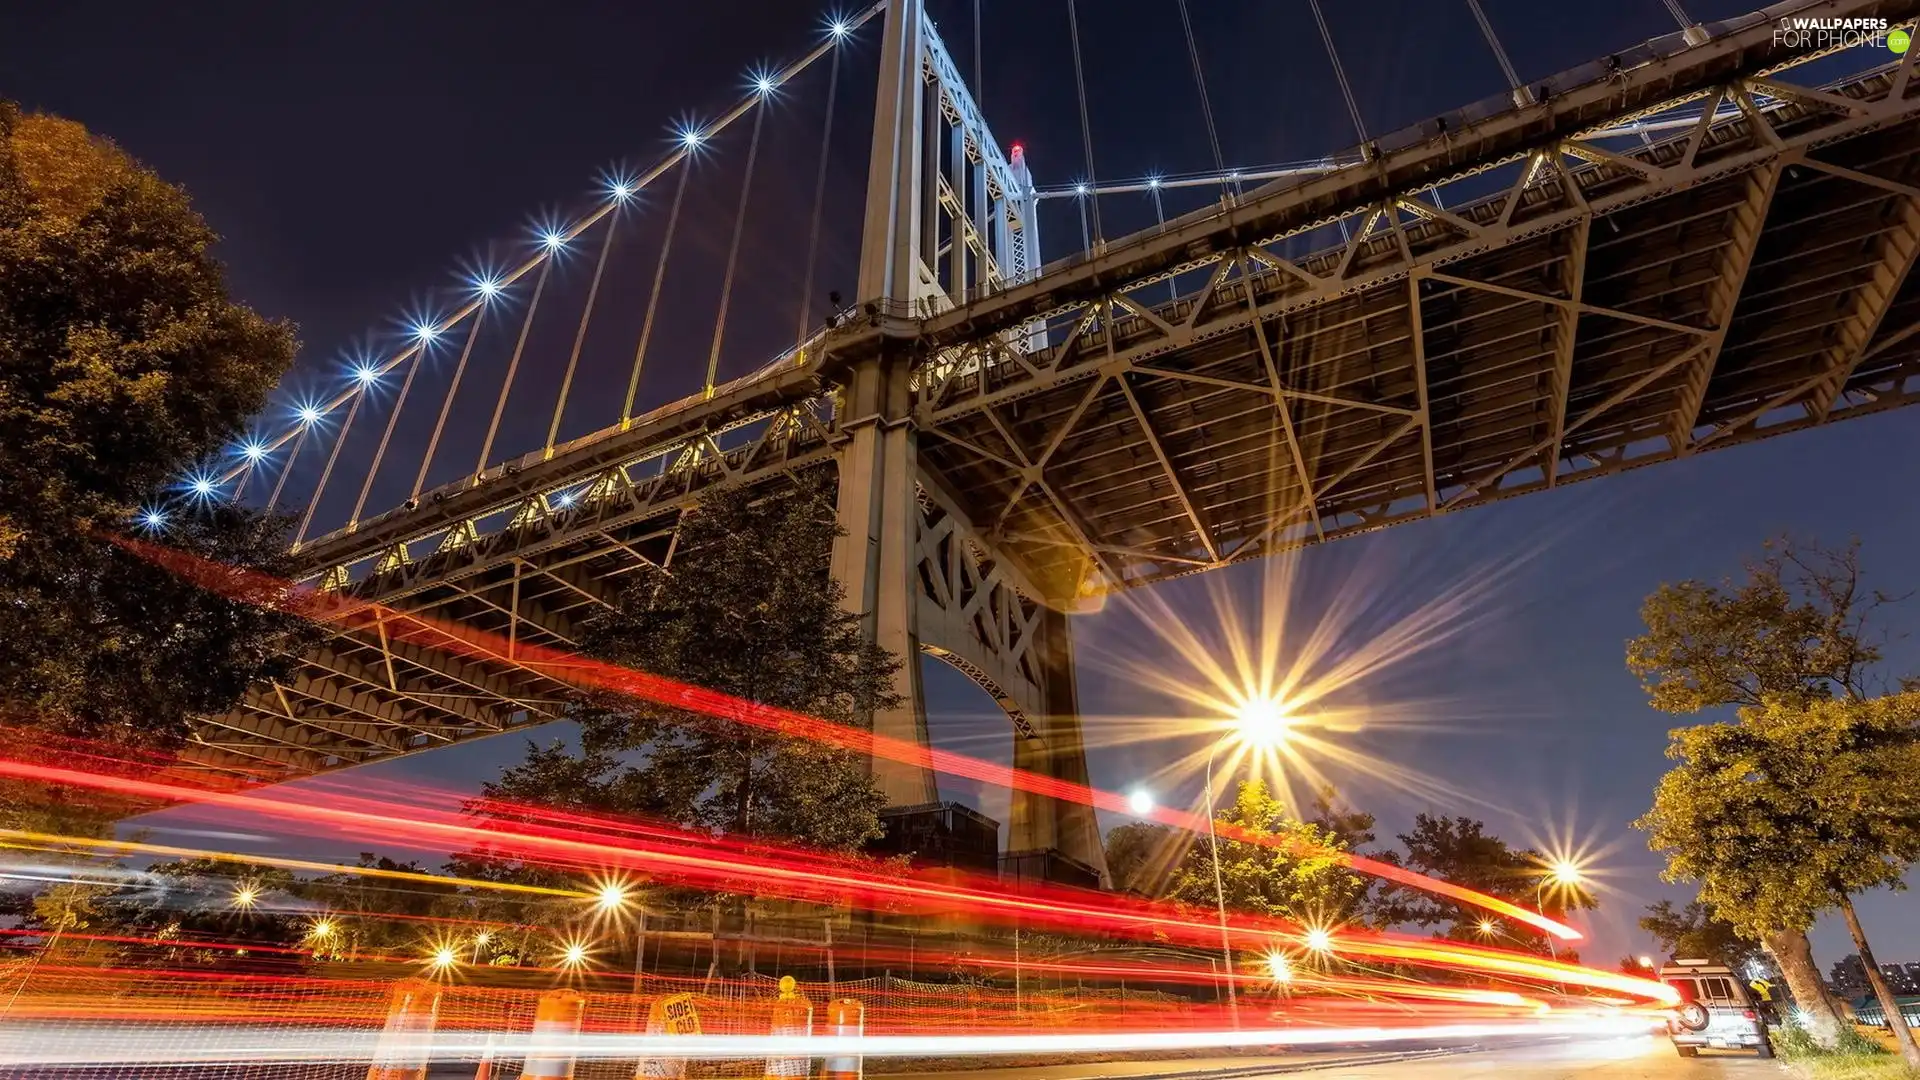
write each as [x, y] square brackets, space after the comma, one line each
[653, 298]
[1499, 51]
[281, 481]
[326, 473]
[1679, 14]
[393, 420]
[446, 405]
[1086, 132]
[1200, 83]
[820, 195]
[979, 91]
[580, 333]
[1339, 73]
[733, 249]
[513, 365]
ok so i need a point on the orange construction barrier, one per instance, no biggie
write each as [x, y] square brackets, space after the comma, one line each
[792, 1016]
[402, 1051]
[846, 1019]
[485, 1071]
[672, 1015]
[556, 1027]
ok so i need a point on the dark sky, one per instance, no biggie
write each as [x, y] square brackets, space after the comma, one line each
[354, 156]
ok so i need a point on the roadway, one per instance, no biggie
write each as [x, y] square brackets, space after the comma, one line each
[1637, 1058]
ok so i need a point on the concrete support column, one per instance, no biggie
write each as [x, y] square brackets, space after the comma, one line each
[874, 558]
[1040, 821]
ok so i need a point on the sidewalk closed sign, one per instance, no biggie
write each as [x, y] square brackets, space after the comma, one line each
[675, 1015]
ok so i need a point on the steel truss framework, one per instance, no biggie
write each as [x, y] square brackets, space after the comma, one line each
[1604, 307]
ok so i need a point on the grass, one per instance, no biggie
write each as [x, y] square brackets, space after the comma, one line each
[1860, 1057]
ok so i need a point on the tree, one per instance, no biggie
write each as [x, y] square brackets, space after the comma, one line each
[1141, 856]
[1792, 810]
[747, 608]
[1695, 931]
[1461, 851]
[1305, 881]
[123, 362]
[1798, 627]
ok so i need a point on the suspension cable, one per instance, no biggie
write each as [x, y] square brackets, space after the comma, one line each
[733, 251]
[1086, 131]
[1339, 73]
[979, 91]
[1200, 83]
[653, 298]
[326, 473]
[1499, 51]
[446, 405]
[393, 421]
[280, 482]
[580, 333]
[513, 365]
[1679, 14]
[820, 187]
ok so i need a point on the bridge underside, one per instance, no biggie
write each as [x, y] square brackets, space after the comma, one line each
[1226, 388]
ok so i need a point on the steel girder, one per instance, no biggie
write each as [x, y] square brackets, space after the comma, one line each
[1608, 309]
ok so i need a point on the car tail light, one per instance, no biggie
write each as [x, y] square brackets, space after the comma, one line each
[1749, 1014]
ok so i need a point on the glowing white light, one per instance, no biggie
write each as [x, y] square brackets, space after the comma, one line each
[1153, 182]
[692, 137]
[426, 331]
[443, 958]
[153, 520]
[762, 85]
[1279, 968]
[253, 451]
[1140, 802]
[621, 191]
[202, 486]
[1319, 940]
[365, 374]
[552, 240]
[487, 287]
[1079, 189]
[839, 29]
[308, 415]
[565, 499]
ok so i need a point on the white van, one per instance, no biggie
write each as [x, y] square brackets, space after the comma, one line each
[1715, 1010]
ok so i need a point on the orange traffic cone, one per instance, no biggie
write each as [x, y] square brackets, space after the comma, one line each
[792, 1016]
[402, 1051]
[556, 1026]
[846, 1019]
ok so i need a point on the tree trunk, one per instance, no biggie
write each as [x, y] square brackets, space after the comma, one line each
[1896, 1021]
[1793, 954]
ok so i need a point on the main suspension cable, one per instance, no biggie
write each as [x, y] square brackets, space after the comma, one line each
[1339, 72]
[1200, 83]
[1086, 130]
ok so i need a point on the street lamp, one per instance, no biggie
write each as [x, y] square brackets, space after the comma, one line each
[1140, 802]
[1562, 873]
[1260, 721]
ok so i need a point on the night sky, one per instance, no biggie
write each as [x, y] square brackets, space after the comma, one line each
[357, 157]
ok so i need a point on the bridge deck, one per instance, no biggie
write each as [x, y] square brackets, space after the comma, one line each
[1234, 385]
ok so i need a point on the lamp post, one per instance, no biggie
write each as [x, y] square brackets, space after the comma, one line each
[1561, 873]
[1260, 721]
[1220, 891]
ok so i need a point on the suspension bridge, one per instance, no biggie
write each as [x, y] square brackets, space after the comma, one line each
[1686, 245]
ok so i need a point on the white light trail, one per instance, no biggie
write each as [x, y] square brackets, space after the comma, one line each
[66, 1045]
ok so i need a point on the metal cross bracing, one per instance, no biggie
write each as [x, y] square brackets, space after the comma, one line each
[1526, 297]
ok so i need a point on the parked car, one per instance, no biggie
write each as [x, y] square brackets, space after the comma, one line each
[1715, 1010]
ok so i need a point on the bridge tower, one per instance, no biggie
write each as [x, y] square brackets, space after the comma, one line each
[947, 212]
